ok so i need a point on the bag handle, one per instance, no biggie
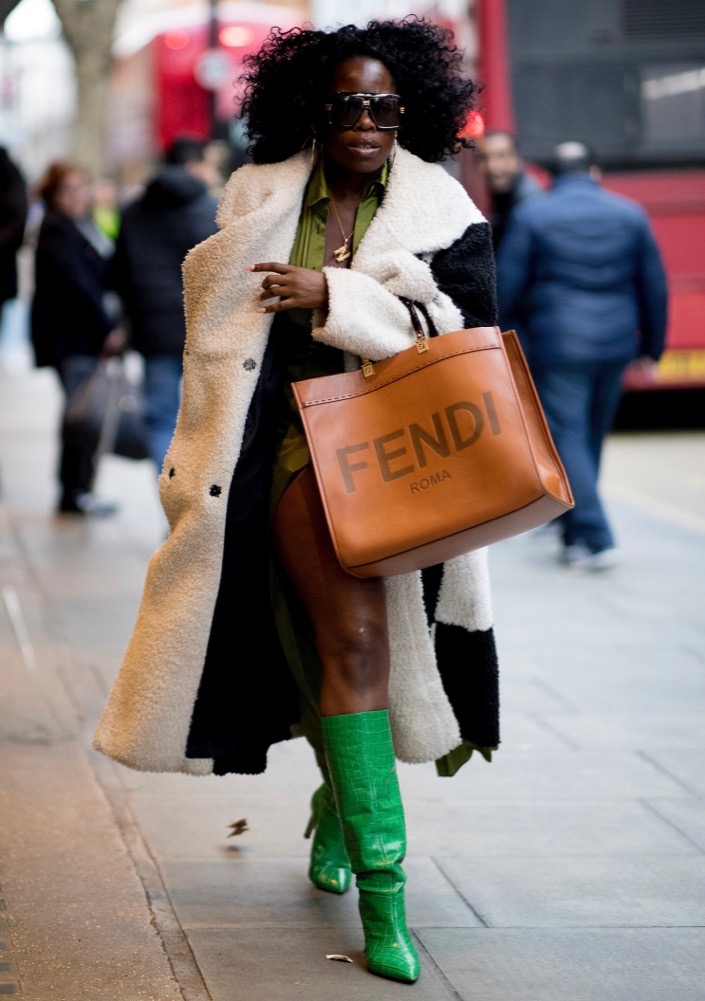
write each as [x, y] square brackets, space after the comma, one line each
[414, 309]
[421, 335]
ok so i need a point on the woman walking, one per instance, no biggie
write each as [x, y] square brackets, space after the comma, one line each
[72, 319]
[250, 631]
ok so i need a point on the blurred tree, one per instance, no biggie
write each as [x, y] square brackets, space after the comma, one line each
[88, 27]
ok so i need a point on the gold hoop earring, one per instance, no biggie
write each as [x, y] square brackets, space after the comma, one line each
[393, 154]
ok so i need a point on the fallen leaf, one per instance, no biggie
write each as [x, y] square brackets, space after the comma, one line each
[237, 827]
[338, 957]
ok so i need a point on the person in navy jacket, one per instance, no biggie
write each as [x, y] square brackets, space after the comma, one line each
[586, 267]
[175, 212]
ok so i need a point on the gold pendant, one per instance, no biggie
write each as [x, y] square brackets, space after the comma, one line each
[342, 253]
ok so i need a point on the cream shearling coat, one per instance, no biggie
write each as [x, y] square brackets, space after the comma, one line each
[145, 724]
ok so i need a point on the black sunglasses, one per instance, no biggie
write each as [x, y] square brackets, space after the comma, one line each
[345, 109]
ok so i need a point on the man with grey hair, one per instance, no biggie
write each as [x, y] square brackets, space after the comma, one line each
[585, 266]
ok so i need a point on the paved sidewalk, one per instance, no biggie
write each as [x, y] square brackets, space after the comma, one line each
[570, 869]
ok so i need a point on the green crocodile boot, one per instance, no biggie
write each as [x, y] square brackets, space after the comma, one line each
[330, 866]
[363, 774]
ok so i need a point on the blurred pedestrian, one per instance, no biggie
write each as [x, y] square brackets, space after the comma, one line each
[13, 217]
[586, 265]
[106, 212]
[175, 213]
[72, 323]
[508, 183]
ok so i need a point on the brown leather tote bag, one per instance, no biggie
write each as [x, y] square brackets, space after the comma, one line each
[442, 449]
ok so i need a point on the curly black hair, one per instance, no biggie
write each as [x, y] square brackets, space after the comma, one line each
[289, 79]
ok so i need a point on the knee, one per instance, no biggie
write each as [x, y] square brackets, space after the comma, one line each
[357, 654]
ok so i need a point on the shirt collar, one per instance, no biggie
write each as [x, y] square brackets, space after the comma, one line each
[317, 191]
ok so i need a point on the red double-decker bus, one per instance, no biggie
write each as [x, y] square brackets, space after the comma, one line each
[182, 79]
[625, 76]
[628, 78]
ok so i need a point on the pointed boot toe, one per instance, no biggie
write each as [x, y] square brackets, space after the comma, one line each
[390, 951]
[333, 879]
[329, 869]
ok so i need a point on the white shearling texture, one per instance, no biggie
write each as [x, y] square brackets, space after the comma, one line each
[423, 724]
[465, 597]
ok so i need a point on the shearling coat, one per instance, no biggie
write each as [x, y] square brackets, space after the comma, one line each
[203, 686]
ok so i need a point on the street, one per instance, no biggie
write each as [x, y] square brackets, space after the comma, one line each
[571, 868]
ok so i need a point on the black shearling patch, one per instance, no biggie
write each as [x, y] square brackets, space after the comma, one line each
[467, 663]
[466, 272]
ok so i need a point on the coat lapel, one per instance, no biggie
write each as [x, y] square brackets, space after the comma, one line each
[420, 224]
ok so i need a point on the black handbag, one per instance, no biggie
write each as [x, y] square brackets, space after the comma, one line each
[106, 413]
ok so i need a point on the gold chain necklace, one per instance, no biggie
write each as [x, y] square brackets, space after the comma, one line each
[343, 252]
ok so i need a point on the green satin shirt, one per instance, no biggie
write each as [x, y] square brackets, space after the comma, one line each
[310, 242]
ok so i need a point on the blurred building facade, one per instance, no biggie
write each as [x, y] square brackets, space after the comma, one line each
[166, 77]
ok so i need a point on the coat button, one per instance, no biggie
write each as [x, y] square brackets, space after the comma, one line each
[249, 364]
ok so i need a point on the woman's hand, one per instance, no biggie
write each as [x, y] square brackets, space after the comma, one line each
[297, 288]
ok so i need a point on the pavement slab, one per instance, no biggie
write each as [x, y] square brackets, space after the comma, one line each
[582, 890]
[685, 815]
[686, 765]
[523, 691]
[176, 830]
[234, 893]
[580, 774]
[552, 827]
[615, 964]
[80, 922]
[262, 964]
[9, 983]
[634, 731]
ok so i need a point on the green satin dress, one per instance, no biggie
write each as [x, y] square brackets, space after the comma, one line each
[305, 358]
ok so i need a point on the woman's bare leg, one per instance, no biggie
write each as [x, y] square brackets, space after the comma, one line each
[348, 614]
[349, 619]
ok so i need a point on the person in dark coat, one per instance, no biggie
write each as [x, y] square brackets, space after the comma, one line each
[175, 213]
[13, 216]
[586, 265]
[72, 325]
